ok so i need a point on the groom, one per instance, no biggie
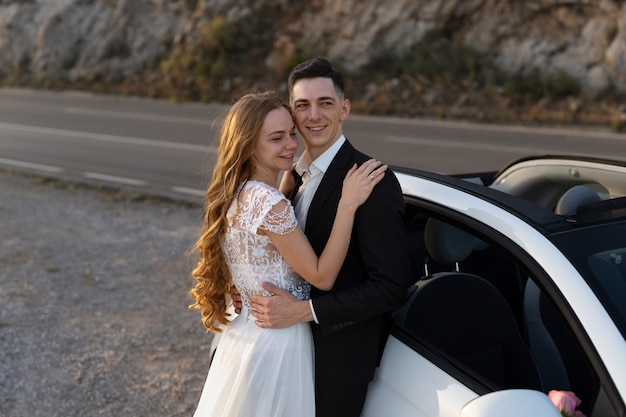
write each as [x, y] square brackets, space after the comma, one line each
[350, 323]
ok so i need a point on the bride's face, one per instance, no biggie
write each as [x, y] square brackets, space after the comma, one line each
[276, 146]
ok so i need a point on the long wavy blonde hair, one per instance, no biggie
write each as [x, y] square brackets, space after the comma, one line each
[238, 136]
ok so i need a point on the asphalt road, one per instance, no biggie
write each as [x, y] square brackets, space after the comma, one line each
[167, 148]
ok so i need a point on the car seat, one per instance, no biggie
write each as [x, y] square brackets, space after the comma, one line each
[575, 197]
[453, 248]
[561, 361]
[446, 244]
[466, 318]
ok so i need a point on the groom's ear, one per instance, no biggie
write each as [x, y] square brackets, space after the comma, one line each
[345, 109]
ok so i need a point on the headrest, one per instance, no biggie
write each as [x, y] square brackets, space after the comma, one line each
[576, 196]
[447, 244]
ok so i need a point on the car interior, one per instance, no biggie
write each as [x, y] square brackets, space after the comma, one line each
[562, 184]
[485, 315]
[477, 328]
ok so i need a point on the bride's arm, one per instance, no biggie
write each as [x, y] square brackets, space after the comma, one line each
[296, 249]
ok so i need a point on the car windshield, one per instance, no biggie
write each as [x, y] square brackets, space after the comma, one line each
[599, 253]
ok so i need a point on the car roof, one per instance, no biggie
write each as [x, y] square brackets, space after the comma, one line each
[531, 187]
[545, 221]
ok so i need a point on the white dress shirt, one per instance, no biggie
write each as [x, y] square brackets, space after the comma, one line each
[312, 174]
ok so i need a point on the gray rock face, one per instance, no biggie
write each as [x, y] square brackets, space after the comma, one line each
[71, 38]
[112, 39]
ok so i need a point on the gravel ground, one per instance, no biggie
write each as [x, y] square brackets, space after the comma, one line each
[93, 303]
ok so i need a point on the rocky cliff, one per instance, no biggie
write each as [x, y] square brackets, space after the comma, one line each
[113, 40]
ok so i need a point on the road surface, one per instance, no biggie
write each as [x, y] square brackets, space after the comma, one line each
[168, 148]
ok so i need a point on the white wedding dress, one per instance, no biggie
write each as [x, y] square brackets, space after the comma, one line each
[260, 372]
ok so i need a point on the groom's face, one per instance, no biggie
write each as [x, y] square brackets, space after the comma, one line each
[318, 113]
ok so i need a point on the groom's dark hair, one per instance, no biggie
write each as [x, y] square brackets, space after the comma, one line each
[313, 68]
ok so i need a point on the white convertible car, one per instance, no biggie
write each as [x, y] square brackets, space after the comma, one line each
[519, 289]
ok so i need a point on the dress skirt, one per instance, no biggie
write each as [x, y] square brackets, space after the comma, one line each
[260, 372]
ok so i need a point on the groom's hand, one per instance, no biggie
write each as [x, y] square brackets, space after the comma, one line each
[280, 310]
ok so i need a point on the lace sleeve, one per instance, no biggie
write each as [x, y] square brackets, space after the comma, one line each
[280, 219]
[267, 208]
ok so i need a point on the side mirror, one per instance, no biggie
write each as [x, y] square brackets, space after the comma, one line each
[511, 403]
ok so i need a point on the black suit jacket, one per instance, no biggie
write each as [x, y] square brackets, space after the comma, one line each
[355, 315]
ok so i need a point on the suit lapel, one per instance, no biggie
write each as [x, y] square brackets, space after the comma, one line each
[331, 183]
[298, 179]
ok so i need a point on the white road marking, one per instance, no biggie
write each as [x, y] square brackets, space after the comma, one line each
[486, 147]
[115, 179]
[191, 191]
[107, 138]
[459, 144]
[140, 116]
[578, 131]
[97, 176]
[30, 165]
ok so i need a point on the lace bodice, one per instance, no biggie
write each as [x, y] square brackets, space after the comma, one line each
[253, 258]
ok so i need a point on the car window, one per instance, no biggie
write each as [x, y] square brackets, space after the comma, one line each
[599, 254]
[478, 313]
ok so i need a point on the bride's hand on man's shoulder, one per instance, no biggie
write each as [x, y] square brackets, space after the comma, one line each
[360, 181]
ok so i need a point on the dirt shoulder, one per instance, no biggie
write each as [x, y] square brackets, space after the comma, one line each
[93, 296]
